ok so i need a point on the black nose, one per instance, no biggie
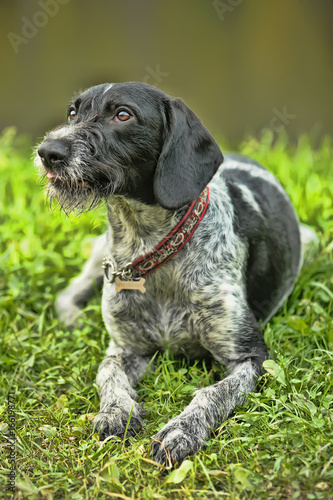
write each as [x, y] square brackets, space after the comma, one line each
[53, 153]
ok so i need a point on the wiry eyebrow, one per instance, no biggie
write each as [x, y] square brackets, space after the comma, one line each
[74, 104]
[85, 103]
[114, 104]
[77, 102]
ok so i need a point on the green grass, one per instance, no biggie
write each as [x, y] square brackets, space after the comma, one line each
[279, 445]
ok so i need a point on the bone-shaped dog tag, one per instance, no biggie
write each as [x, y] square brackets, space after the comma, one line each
[130, 285]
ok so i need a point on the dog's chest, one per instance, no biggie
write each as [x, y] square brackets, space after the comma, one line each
[185, 296]
[164, 317]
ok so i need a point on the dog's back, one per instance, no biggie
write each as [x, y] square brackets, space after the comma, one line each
[266, 219]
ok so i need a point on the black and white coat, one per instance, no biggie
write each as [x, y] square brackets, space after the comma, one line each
[238, 267]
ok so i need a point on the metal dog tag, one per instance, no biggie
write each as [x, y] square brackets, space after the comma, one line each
[130, 285]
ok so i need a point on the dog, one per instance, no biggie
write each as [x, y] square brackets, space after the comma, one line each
[200, 248]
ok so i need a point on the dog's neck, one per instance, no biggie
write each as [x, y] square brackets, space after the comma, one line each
[137, 228]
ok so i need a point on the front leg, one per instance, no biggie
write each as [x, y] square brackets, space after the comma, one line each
[117, 376]
[187, 433]
[240, 347]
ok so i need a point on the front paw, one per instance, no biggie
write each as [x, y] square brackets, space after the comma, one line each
[176, 441]
[117, 422]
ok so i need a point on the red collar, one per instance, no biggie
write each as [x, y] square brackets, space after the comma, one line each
[179, 236]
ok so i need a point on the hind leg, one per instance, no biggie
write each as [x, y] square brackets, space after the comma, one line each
[71, 300]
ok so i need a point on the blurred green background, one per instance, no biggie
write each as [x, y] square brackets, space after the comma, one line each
[242, 65]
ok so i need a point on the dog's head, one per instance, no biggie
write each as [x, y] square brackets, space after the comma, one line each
[128, 139]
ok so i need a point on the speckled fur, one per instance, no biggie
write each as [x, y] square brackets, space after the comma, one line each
[237, 268]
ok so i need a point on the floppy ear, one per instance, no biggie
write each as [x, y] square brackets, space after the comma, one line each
[188, 160]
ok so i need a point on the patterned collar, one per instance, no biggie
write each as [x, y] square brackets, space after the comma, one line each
[131, 276]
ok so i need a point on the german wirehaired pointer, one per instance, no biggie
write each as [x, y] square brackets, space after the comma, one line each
[198, 249]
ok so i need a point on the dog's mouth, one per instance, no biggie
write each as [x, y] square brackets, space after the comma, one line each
[61, 181]
[78, 186]
[73, 193]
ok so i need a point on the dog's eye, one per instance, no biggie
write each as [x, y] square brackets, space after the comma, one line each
[71, 115]
[122, 116]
